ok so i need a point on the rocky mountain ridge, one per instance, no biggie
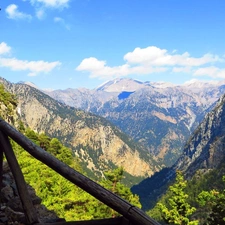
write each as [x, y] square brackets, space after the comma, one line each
[204, 151]
[98, 144]
[205, 148]
[160, 116]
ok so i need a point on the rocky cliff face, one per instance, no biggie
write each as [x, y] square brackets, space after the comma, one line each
[99, 144]
[160, 116]
[206, 147]
[204, 151]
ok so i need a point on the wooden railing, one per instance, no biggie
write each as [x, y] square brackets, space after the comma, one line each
[130, 214]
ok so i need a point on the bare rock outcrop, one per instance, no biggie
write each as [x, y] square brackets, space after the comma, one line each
[11, 209]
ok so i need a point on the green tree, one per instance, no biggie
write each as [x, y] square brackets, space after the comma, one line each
[21, 127]
[214, 204]
[90, 208]
[114, 176]
[8, 105]
[32, 135]
[55, 146]
[113, 183]
[44, 141]
[178, 211]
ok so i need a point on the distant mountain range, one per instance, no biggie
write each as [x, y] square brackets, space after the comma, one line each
[161, 116]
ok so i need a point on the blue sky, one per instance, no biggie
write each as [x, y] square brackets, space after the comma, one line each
[61, 44]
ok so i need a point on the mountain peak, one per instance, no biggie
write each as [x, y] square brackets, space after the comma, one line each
[120, 85]
[194, 83]
[161, 84]
[28, 83]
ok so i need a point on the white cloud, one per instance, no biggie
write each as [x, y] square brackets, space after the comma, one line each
[4, 48]
[34, 67]
[160, 57]
[91, 64]
[147, 61]
[211, 71]
[51, 3]
[181, 69]
[146, 70]
[98, 68]
[13, 13]
[40, 14]
[40, 6]
[62, 22]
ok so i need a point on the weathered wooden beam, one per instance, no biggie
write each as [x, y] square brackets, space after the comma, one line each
[1, 166]
[28, 207]
[110, 221]
[132, 213]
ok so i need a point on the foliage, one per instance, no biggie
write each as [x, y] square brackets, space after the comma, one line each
[60, 195]
[6, 97]
[209, 204]
[94, 209]
[8, 104]
[178, 210]
[214, 203]
[52, 188]
[156, 184]
[113, 183]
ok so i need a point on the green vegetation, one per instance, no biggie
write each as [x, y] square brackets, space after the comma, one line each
[152, 185]
[178, 210]
[213, 202]
[6, 98]
[200, 200]
[58, 194]
[8, 104]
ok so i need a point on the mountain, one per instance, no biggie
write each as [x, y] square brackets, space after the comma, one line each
[28, 83]
[205, 148]
[98, 144]
[120, 85]
[204, 151]
[159, 115]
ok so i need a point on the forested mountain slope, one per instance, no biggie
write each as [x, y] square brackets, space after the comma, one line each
[98, 144]
[204, 151]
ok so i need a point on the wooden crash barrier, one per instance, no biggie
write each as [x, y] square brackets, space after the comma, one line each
[133, 214]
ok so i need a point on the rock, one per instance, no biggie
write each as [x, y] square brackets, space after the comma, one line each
[7, 193]
[14, 216]
[11, 211]
[15, 204]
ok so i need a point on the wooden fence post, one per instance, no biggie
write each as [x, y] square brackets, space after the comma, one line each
[28, 207]
[1, 166]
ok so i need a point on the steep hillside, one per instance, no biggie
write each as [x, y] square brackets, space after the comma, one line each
[11, 211]
[160, 116]
[8, 104]
[205, 150]
[98, 144]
